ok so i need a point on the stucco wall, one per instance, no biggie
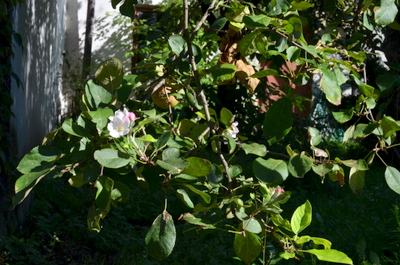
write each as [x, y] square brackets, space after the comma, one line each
[38, 65]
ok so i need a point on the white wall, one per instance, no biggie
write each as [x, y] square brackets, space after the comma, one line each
[37, 102]
[49, 66]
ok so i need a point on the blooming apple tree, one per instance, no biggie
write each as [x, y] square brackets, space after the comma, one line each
[202, 120]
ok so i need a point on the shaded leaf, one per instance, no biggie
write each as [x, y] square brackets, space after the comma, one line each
[270, 170]
[278, 120]
[110, 74]
[299, 165]
[247, 247]
[160, 240]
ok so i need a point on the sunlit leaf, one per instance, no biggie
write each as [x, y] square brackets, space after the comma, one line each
[301, 217]
[331, 87]
[392, 176]
[185, 197]
[255, 148]
[330, 255]
[197, 167]
[315, 136]
[111, 158]
[386, 13]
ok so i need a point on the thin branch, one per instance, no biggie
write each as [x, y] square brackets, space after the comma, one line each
[203, 19]
[198, 84]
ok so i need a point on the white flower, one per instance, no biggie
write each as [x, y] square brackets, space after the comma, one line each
[120, 123]
[232, 131]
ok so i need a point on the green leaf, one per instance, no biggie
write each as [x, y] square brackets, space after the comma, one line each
[247, 247]
[252, 225]
[387, 82]
[318, 241]
[26, 183]
[248, 45]
[173, 165]
[128, 8]
[100, 117]
[330, 255]
[226, 116]
[39, 158]
[188, 217]
[301, 217]
[111, 158]
[359, 164]
[330, 86]
[297, 28]
[219, 23]
[110, 74]
[120, 192]
[198, 167]
[177, 43]
[315, 136]
[160, 240]
[301, 5]
[366, 90]
[91, 171]
[392, 176]
[76, 181]
[255, 148]
[343, 116]
[162, 140]
[97, 96]
[69, 126]
[356, 180]
[363, 130]
[270, 170]
[277, 7]
[205, 196]
[278, 220]
[258, 21]
[293, 53]
[185, 197]
[223, 72]
[389, 126]
[386, 13]
[170, 153]
[264, 73]
[299, 165]
[147, 138]
[278, 120]
[103, 195]
[322, 169]
[235, 171]
[93, 218]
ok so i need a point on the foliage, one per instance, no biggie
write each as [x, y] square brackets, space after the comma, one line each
[8, 37]
[225, 162]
